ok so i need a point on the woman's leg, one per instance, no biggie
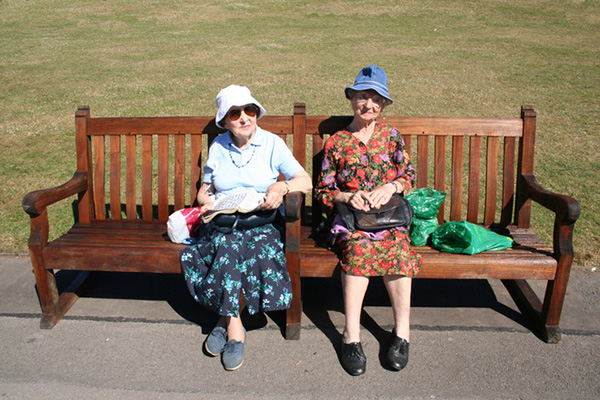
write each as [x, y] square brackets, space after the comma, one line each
[399, 290]
[235, 329]
[354, 288]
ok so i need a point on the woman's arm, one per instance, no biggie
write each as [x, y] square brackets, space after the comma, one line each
[205, 201]
[300, 182]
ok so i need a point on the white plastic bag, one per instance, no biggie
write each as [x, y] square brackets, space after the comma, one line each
[182, 224]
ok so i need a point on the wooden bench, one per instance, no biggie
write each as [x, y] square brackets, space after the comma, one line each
[133, 172]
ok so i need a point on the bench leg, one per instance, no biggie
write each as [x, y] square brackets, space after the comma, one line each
[65, 300]
[555, 297]
[53, 305]
[546, 316]
[294, 313]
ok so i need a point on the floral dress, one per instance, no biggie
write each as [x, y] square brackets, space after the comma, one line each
[348, 166]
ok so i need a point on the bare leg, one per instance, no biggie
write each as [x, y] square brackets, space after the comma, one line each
[354, 288]
[399, 290]
[235, 329]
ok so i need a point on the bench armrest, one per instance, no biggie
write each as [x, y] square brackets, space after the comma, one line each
[34, 203]
[566, 208]
[293, 206]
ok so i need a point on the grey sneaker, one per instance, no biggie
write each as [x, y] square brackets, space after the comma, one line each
[215, 342]
[233, 355]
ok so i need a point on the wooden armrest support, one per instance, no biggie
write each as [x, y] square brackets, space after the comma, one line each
[34, 203]
[566, 208]
[293, 206]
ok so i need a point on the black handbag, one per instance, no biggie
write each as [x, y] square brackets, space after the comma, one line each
[227, 223]
[395, 213]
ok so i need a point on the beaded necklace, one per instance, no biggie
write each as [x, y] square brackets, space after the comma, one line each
[247, 162]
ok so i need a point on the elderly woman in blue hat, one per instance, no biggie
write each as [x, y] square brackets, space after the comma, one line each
[222, 266]
[363, 166]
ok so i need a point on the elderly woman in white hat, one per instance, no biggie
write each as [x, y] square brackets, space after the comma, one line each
[364, 165]
[222, 266]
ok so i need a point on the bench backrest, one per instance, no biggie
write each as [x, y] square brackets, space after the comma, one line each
[471, 159]
[145, 168]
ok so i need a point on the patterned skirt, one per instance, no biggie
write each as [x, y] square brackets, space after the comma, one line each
[220, 266]
[387, 253]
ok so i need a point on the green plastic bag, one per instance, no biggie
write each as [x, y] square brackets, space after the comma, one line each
[421, 229]
[426, 203]
[467, 238]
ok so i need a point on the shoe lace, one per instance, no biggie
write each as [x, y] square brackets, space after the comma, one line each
[230, 347]
[354, 352]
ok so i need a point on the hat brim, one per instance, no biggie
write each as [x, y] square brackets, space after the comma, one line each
[256, 103]
[367, 86]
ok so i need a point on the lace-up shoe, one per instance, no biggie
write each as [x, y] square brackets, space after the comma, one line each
[397, 354]
[233, 355]
[354, 360]
[215, 342]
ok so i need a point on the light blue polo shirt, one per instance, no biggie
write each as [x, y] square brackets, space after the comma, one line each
[256, 166]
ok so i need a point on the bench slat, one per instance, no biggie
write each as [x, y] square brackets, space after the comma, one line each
[422, 160]
[450, 126]
[147, 178]
[115, 177]
[456, 193]
[474, 178]
[99, 181]
[151, 126]
[179, 178]
[195, 166]
[440, 171]
[131, 167]
[163, 177]
[491, 187]
[508, 183]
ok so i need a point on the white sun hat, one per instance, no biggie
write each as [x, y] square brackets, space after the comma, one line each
[234, 96]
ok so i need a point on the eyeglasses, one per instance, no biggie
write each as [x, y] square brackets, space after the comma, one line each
[250, 110]
[362, 98]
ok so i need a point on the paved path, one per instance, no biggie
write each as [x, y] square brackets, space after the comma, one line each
[140, 337]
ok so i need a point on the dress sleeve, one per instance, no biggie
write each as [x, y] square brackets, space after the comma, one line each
[405, 176]
[326, 188]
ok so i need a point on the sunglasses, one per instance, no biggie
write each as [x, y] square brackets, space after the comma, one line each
[250, 110]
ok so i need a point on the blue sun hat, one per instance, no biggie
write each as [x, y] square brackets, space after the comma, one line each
[371, 77]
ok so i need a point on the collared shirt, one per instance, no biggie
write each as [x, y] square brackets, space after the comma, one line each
[256, 166]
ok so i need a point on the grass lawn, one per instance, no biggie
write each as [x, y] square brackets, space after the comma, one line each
[443, 58]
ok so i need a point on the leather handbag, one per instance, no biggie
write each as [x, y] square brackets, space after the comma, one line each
[227, 223]
[395, 213]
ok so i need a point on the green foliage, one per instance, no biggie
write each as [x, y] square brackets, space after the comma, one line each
[446, 58]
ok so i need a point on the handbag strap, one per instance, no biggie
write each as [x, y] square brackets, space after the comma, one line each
[227, 230]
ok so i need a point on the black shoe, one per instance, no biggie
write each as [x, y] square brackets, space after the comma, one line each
[353, 358]
[397, 354]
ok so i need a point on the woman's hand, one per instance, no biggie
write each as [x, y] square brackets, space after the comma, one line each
[206, 207]
[358, 200]
[381, 195]
[274, 196]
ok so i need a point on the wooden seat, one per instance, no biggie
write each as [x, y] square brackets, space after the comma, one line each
[529, 259]
[108, 246]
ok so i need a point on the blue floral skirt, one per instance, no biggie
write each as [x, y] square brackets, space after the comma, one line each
[220, 266]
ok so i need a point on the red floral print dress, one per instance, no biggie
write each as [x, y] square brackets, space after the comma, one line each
[349, 165]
